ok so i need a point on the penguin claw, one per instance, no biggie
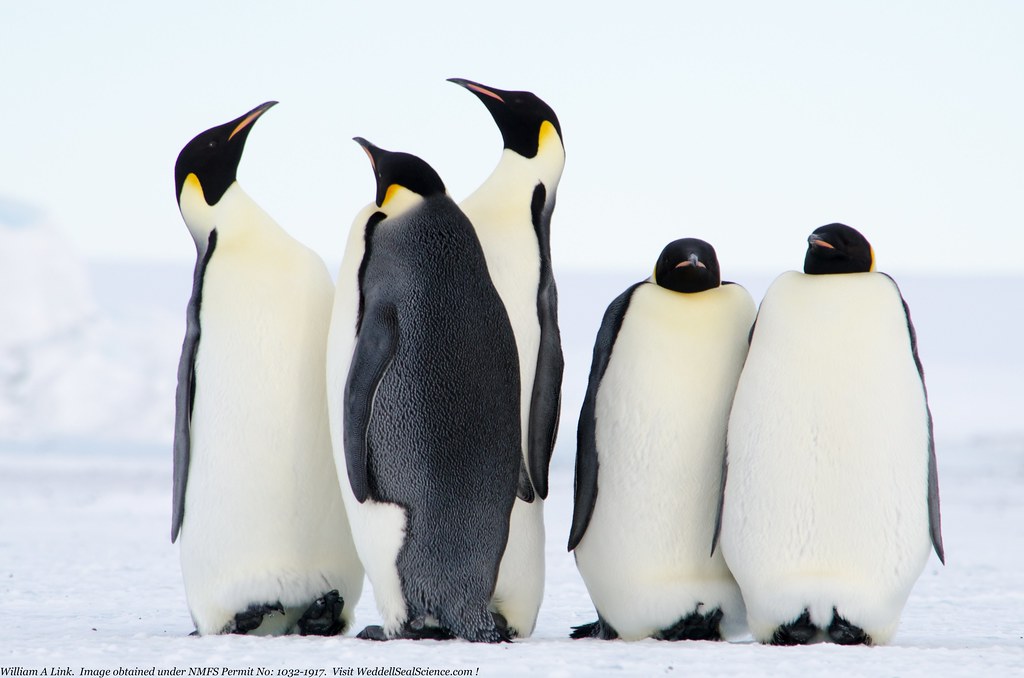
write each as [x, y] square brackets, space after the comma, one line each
[798, 632]
[323, 616]
[695, 626]
[250, 620]
[843, 632]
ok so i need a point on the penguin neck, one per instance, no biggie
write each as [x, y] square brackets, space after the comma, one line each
[399, 200]
[514, 179]
[236, 217]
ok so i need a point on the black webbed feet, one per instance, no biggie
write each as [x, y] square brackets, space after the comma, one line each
[373, 632]
[843, 632]
[323, 616]
[413, 630]
[798, 632]
[695, 626]
[599, 629]
[250, 620]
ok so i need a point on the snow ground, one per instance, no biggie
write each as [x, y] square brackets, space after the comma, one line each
[88, 577]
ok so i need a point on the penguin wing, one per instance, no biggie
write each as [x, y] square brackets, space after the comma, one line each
[185, 393]
[585, 487]
[546, 398]
[934, 518]
[373, 353]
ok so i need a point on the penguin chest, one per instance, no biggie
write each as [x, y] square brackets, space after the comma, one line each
[661, 417]
[512, 253]
[259, 385]
[829, 431]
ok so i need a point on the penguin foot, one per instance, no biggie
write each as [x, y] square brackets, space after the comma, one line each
[695, 626]
[843, 632]
[250, 620]
[414, 630]
[599, 629]
[373, 632]
[323, 616]
[798, 632]
[418, 629]
[491, 635]
[502, 625]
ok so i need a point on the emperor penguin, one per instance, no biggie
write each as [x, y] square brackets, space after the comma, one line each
[423, 384]
[511, 212]
[265, 542]
[651, 442]
[831, 501]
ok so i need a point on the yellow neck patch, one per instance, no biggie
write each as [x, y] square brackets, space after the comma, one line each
[548, 135]
[192, 183]
[872, 269]
[393, 190]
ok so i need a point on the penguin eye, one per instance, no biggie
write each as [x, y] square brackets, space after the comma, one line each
[212, 144]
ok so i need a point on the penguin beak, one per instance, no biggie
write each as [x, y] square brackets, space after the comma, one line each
[814, 241]
[370, 150]
[693, 261]
[476, 88]
[375, 153]
[251, 117]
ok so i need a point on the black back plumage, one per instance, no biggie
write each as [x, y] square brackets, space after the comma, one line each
[432, 410]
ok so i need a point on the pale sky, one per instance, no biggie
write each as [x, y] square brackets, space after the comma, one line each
[747, 124]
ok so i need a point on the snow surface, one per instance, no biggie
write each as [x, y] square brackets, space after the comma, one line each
[88, 577]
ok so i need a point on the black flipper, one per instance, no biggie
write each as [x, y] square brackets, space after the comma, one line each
[250, 620]
[721, 500]
[185, 394]
[323, 616]
[798, 632]
[546, 399]
[525, 489]
[375, 347]
[934, 517]
[586, 443]
[599, 629]
[695, 626]
[843, 632]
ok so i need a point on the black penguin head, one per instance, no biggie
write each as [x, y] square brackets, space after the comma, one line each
[688, 265]
[213, 156]
[523, 118]
[837, 248]
[394, 170]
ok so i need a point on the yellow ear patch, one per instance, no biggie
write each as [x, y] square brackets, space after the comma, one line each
[393, 189]
[547, 135]
[872, 251]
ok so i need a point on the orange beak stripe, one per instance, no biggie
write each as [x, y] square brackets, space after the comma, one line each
[486, 92]
[247, 121]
